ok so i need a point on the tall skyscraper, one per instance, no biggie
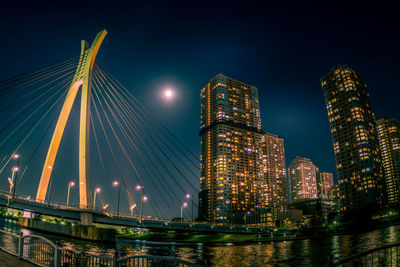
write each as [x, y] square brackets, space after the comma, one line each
[231, 179]
[302, 179]
[273, 153]
[389, 141]
[324, 183]
[355, 140]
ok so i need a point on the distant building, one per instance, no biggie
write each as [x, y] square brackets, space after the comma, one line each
[389, 141]
[314, 207]
[274, 169]
[355, 140]
[324, 183]
[333, 195]
[232, 179]
[302, 179]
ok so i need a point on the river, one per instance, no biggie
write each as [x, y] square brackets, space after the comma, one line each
[308, 252]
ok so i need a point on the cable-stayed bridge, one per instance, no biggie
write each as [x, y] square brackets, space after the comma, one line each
[72, 126]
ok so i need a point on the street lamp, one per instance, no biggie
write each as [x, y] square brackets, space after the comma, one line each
[15, 156]
[217, 209]
[140, 188]
[116, 183]
[132, 207]
[245, 219]
[184, 205]
[71, 184]
[144, 199]
[98, 190]
[191, 198]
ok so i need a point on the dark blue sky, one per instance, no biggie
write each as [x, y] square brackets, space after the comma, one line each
[283, 49]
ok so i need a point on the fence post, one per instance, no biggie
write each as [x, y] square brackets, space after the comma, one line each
[56, 255]
[20, 245]
[115, 259]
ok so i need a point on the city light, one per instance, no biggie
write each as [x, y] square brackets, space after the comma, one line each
[15, 156]
[144, 198]
[115, 183]
[71, 184]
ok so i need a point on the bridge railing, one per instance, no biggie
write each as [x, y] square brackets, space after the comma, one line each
[43, 252]
[388, 255]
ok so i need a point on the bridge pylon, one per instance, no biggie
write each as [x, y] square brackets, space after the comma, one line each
[82, 79]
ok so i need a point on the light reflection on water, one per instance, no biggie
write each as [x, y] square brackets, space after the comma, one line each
[307, 252]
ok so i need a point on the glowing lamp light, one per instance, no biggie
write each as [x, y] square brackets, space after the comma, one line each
[15, 156]
[138, 187]
[71, 183]
[115, 183]
[15, 169]
[145, 198]
[98, 189]
[185, 204]
[187, 196]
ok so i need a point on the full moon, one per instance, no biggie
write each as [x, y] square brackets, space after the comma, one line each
[168, 93]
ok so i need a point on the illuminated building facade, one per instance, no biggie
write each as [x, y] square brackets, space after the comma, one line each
[355, 140]
[389, 141]
[324, 183]
[273, 153]
[231, 150]
[302, 176]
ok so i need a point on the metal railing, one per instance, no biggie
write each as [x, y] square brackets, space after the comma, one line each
[388, 255]
[146, 261]
[43, 252]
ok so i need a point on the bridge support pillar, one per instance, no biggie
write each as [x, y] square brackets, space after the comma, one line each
[86, 219]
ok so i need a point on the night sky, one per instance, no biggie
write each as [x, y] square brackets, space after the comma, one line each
[283, 49]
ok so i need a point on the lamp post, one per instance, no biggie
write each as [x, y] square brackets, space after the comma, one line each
[98, 190]
[214, 214]
[191, 198]
[144, 199]
[245, 219]
[15, 156]
[230, 212]
[140, 188]
[184, 205]
[116, 183]
[71, 184]
[132, 207]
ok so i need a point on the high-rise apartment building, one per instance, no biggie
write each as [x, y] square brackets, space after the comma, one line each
[324, 183]
[302, 179]
[231, 179]
[273, 153]
[389, 141]
[355, 140]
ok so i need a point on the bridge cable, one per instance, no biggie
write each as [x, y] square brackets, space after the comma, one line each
[32, 129]
[156, 169]
[149, 115]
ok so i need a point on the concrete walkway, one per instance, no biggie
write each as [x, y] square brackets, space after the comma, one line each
[11, 260]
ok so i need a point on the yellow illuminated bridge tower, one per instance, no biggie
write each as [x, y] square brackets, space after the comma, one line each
[82, 79]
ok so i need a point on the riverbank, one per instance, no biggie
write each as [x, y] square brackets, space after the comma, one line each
[244, 238]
